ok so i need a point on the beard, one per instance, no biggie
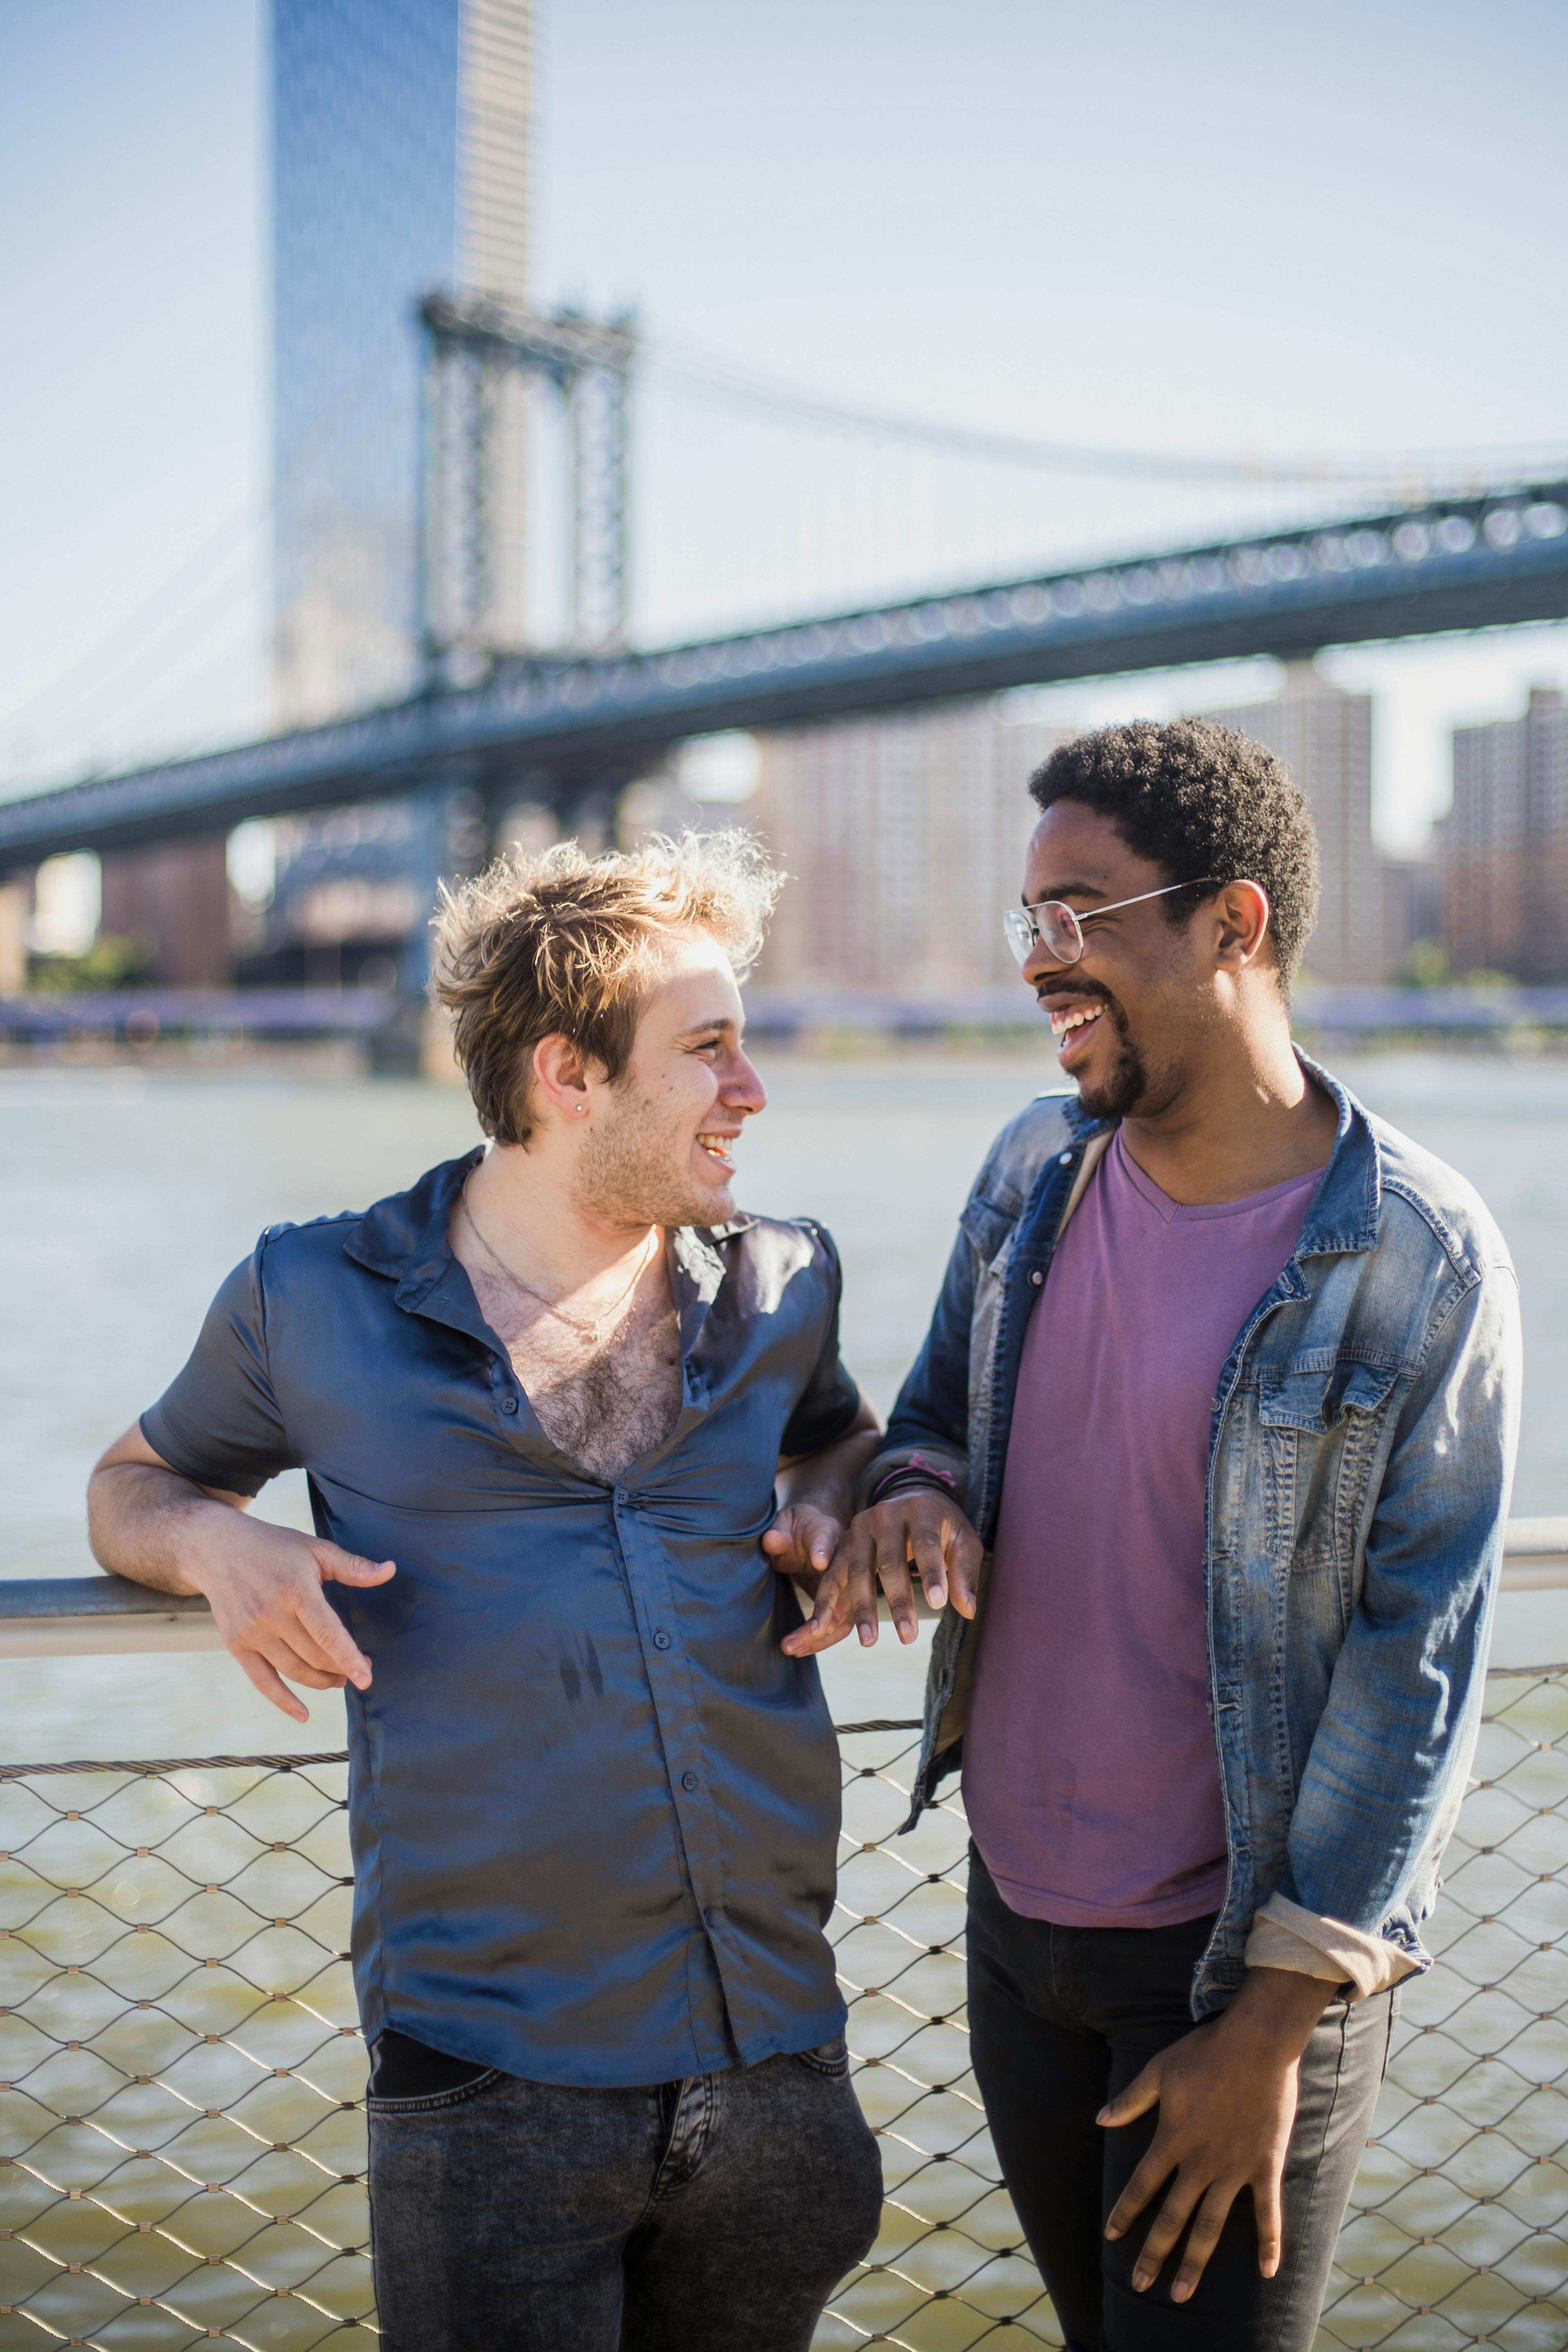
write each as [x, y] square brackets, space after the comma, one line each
[1126, 1084]
[636, 1170]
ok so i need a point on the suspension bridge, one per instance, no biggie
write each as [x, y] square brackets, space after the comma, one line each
[567, 728]
[561, 728]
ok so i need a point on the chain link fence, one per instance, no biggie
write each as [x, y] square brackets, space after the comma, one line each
[182, 2125]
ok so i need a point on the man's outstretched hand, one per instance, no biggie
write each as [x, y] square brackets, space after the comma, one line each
[923, 1529]
[1226, 2096]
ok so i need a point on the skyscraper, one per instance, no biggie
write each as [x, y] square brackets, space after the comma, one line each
[1324, 737]
[1505, 845]
[400, 143]
[904, 837]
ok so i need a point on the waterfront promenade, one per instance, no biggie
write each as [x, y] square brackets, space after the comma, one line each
[209, 2173]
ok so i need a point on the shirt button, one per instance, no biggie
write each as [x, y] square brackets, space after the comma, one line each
[508, 1405]
[1036, 1277]
[689, 1782]
[1066, 1159]
[620, 1495]
[661, 1640]
[710, 1917]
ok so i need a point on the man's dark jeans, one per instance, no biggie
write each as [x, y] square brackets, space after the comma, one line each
[1062, 2019]
[700, 2216]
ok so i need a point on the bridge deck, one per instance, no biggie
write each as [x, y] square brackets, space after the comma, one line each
[1487, 561]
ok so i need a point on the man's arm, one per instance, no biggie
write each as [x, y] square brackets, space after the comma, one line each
[930, 1419]
[922, 1462]
[1386, 1769]
[263, 1583]
[817, 1498]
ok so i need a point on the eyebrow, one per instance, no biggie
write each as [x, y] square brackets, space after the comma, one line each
[705, 1028]
[1064, 890]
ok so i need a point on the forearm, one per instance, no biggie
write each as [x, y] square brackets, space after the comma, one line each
[152, 1526]
[1274, 2013]
[827, 1481]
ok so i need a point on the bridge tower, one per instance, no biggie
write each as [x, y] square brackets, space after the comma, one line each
[475, 350]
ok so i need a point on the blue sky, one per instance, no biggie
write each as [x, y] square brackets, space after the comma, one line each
[1219, 228]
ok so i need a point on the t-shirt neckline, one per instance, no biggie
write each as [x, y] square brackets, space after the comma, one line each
[1174, 1212]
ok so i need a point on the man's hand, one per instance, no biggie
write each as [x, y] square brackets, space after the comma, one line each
[1226, 2096]
[924, 1527]
[801, 1540]
[264, 1585]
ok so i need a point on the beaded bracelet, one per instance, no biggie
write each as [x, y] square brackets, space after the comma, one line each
[910, 1476]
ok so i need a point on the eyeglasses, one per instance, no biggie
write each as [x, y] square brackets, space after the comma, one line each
[1061, 930]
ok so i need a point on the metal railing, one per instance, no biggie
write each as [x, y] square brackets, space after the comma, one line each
[182, 2076]
[109, 1616]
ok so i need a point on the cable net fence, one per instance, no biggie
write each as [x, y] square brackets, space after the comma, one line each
[182, 2078]
[182, 2121]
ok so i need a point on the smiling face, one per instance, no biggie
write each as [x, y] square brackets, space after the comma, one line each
[660, 1149]
[1129, 1017]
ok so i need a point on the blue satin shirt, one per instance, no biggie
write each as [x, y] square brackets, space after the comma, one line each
[594, 1807]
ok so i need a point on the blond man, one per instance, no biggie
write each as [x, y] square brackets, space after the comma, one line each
[564, 1414]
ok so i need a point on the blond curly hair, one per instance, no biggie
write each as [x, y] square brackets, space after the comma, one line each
[564, 944]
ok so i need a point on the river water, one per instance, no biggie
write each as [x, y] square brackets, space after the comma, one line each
[126, 1194]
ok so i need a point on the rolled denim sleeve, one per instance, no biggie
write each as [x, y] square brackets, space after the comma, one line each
[1386, 1770]
[1285, 1936]
[220, 1422]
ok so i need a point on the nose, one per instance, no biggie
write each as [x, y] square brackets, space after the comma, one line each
[1041, 962]
[743, 1090]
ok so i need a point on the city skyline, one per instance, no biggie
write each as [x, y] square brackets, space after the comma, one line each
[1297, 306]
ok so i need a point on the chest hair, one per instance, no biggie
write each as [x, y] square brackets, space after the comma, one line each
[603, 1405]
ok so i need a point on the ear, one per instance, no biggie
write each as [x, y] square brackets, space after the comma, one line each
[1241, 916]
[562, 1079]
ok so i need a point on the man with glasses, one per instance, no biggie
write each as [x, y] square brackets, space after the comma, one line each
[1207, 1454]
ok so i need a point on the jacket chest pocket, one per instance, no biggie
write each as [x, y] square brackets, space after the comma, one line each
[1322, 1426]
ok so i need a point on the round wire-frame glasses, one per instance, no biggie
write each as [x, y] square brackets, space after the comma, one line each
[1059, 926]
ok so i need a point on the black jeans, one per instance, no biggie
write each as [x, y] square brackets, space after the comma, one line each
[1062, 2019]
[701, 2216]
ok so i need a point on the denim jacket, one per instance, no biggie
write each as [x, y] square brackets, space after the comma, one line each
[1360, 1454]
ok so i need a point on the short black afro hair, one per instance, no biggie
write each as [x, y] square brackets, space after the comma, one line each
[1200, 801]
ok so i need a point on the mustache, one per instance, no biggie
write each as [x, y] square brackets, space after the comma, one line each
[1075, 996]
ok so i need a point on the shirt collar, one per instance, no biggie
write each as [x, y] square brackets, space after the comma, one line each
[405, 1237]
[1344, 1212]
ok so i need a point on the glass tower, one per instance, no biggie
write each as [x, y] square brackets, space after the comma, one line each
[400, 165]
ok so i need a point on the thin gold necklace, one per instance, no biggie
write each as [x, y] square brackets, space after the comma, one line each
[596, 1327]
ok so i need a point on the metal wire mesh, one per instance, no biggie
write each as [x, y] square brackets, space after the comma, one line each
[1458, 2232]
[950, 2268]
[181, 2128]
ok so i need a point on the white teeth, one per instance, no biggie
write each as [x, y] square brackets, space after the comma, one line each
[1063, 1023]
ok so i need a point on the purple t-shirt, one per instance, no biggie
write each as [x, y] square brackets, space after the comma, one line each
[1090, 1771]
